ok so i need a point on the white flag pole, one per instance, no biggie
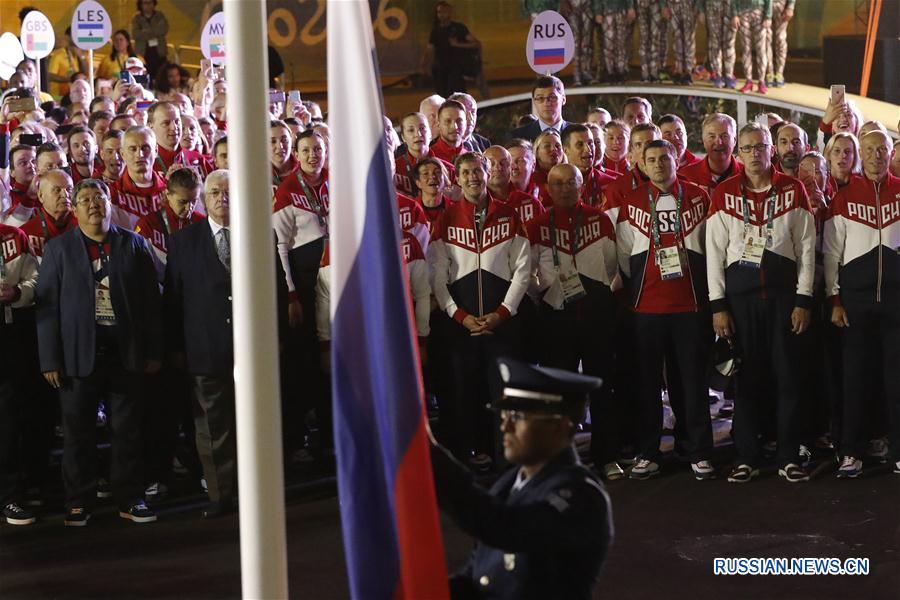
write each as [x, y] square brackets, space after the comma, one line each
[257, 397]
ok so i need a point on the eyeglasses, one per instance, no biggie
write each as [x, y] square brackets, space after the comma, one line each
[755, 148]
[515, 416]
[94, 200]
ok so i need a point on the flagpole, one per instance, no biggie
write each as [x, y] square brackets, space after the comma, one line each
[257, 395]
[91, 72]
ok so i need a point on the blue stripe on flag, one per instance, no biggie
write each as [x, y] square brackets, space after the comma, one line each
[90, 26]
[549, 52]
[375, 391]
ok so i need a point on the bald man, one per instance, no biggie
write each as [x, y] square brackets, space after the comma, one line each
[574, 257]
[791, 144]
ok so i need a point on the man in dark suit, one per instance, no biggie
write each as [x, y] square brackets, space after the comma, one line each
[545, 527]
[548, 96]
[198, 315]
[99, 323]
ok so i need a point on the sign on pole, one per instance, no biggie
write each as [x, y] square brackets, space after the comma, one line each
[10, 54]
[91, 25]
[212, 40]
[37, 35]
[550, 45]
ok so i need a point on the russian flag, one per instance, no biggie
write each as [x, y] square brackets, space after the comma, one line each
[392, 537]
[549, 53]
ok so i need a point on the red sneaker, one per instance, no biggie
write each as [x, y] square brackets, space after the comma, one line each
[748, 87]
[762, 87]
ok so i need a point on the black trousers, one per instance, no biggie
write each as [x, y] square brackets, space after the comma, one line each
[822, 386]
[216, 436]
[165, 397]
[79, 398]
[870, 348]
[682, 341]
[572, 336]
[473, 382]
[10, 460]
[770, 373]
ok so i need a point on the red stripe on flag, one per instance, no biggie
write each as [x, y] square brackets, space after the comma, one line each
[423, 573]
[549, 60]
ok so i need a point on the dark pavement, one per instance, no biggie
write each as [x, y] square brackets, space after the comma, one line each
[668, 530]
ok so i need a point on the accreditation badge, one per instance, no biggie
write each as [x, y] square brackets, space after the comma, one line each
[754, 247]
[669, 261]
[570, 280]
[103, 311]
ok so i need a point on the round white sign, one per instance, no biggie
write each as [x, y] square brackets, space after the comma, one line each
[91, 25]
[212, 40]
[550, 45]
[10, 54]
[37, 35]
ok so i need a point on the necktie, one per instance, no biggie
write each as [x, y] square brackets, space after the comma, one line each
[223, 248]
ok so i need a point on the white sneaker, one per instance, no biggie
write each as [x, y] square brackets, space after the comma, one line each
[805, 456]
[850, 468]
[156, 491]
[703, 470]
[644, 469]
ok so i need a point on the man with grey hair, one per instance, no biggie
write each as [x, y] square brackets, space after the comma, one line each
[199, 334]
[99, 324]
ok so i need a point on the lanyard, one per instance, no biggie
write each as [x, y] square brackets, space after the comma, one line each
[44, 225]
[2, 265]
[406, 162]
[104, 263]
[575, 241]
[72, 69]
[313, 199]
[164, 222]
[654, 216]
[634, 179]
[770, 210]
[593, 189]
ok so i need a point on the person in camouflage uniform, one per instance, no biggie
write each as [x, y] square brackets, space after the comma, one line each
[614, 18]
[720, 31]
[683, 28]
[753, 17]
[580, 15]
[776, 41]
[652, 16]
[532, 8]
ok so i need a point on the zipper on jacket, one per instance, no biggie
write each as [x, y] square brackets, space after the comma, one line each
[880, 245]
[478, 234]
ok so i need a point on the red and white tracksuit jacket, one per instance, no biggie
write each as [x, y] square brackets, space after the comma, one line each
[157, 228]
[189, 158]
[862, 239]
[700, 174]
[19, 269]
[788, 265]
[16, 207]
[594, 258]
[476, 273]
[412, 219]
[130, 202]
[41, 228]
[527, 207]
[301, 227]
[594, 185]
[648, 291]
[615, 193]
[419, 289]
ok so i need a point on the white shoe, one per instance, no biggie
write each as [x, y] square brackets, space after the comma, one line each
[703, 470]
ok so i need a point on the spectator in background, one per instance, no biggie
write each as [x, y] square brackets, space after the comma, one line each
[450, 48]
[150, 28]
[67, 60]
[29, 71]
[121, 51]
[170, 80]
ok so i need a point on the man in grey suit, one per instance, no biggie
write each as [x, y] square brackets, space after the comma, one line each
[548, 96]
[99, 323]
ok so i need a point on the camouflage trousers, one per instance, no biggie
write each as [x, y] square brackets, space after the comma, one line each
[615, 41]
[776, 40]
[652, 46]
[720, 38]
[753, 44]
[581, 20]
[683, 28]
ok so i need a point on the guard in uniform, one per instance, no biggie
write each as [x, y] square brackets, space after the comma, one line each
[545, 527]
